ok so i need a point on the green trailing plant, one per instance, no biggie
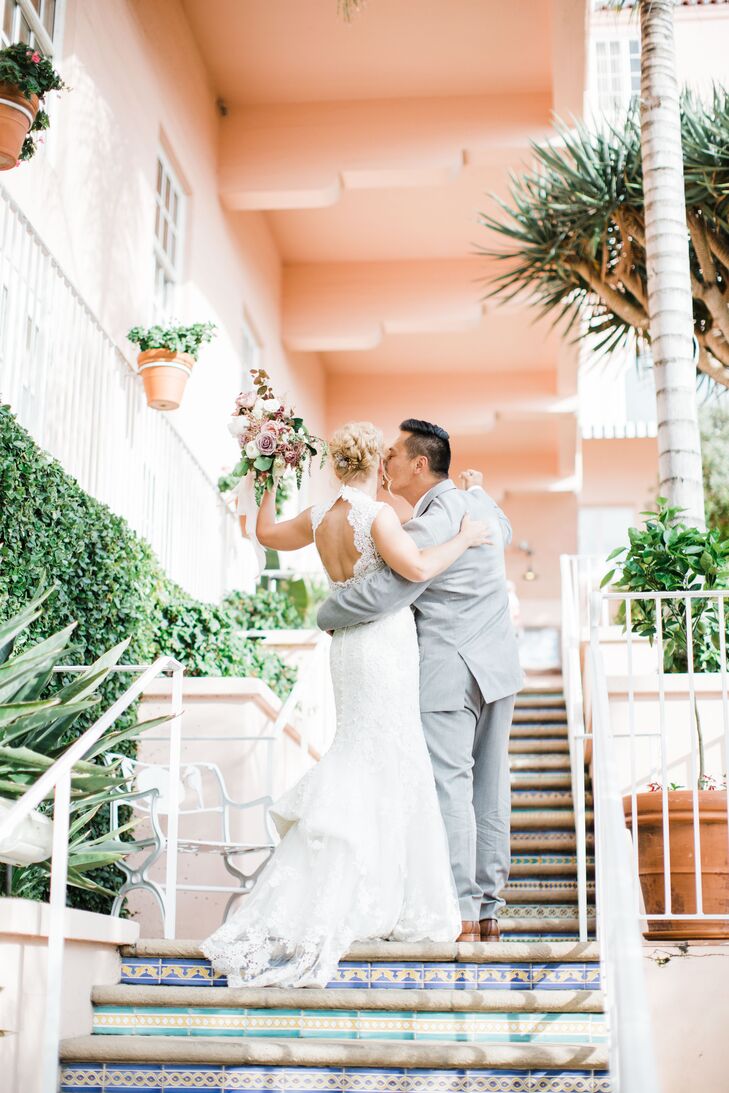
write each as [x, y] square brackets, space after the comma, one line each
[111, 587]
[572, 232]
[32, 73]
[208, 641]
[667, 555]
[265, 609]
[37, 722]
[176, 338]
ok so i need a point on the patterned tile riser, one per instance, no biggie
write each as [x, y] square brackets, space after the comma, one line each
[127, 1078]
[536, 1028]
[380, 976]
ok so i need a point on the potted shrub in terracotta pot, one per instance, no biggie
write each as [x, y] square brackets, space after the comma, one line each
[26, 77]
[669, 556]
[167, 356]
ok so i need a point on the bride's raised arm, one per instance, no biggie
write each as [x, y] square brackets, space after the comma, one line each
[286, 534]
[399, 551]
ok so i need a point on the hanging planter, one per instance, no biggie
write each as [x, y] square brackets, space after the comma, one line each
[26, 76]
[165, 362]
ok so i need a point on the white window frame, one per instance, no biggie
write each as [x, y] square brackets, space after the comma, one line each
[48, 43]
[618, 83]
[164, 303]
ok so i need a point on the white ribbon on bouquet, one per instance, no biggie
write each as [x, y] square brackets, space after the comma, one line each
[246, 506]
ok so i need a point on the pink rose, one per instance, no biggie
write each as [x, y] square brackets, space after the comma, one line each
[266, 443]
[246, 400]
[36, 58]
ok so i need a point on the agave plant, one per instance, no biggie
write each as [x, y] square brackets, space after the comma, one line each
[36, 727]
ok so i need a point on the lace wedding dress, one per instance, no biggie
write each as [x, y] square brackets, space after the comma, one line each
[363, 852]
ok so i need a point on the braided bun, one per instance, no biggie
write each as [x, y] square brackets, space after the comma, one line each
[355, 450]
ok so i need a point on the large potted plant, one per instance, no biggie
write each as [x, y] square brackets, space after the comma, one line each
[167, 355]
[26, 77]
[669, 556]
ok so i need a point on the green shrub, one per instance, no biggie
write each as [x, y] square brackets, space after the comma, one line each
[107, 580]
[265, 609]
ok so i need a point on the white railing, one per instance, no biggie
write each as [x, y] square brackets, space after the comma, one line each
[667, 730]
[584, 612]
[57, 781]
[632, 1060]
[75, 391]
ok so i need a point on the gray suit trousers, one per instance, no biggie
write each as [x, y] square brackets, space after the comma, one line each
[469, 749]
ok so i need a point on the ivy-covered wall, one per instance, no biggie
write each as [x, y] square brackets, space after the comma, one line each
[109, 582]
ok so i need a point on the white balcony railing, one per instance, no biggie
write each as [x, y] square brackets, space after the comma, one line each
[74, 390]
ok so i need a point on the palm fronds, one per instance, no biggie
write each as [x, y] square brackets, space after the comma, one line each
[573, 230]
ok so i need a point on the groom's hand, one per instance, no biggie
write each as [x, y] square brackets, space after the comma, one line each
[470, 478]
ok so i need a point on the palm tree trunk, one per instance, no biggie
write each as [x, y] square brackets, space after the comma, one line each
[667, 258]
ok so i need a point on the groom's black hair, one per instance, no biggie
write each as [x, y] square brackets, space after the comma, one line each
[431, 441]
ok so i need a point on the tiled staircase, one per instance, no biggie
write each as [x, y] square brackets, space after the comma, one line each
[515, 1017]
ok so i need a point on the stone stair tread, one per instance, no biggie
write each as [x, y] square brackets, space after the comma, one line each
[562, 819]
[540, 701]
[537, 762]
[550, 798]
[544, 779]
[536, 745]
[548, 731]
[526, 841]
[241, 1051]
[535, 1000]
[538, 713]
[432, 952]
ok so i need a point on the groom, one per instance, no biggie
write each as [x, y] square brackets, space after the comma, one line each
[469, 664]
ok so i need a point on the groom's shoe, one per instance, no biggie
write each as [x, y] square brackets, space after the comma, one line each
[469, 932]
[489, 929]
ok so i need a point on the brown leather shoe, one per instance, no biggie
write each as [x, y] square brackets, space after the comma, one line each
[469, 931]
[489, 929]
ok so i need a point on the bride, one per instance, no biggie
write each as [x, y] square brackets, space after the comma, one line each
[363, 851]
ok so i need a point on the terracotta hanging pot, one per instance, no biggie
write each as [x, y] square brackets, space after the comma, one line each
[165, 375]
[17, 114]
[714, 838]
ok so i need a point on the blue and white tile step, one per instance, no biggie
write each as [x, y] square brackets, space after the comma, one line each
[367, 1024]
[381, 975]
[159, 1078]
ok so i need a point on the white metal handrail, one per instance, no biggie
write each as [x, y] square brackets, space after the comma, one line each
[75, 390]
[584, 611]
[632, 1060]
[57, 780]
[574, 705]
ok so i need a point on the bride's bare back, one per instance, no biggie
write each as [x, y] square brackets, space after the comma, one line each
[335, 542]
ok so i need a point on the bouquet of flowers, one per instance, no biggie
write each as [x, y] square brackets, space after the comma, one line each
[273, 440]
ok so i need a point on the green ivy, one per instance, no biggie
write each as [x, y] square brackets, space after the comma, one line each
[108, 580]
[265, 609]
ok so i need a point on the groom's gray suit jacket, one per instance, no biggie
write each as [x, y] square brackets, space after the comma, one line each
[462, 615]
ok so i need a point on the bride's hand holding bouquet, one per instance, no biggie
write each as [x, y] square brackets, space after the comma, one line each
[273, 440]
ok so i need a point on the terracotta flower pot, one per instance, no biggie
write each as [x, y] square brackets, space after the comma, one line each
[17, 114]
[164, 374]
[714, 837]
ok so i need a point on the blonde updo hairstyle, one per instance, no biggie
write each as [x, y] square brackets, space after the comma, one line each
[355, 450]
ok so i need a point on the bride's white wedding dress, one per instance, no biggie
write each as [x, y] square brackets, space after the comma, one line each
[363, 851]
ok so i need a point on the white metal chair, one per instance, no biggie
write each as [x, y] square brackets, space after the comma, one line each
[150, 799]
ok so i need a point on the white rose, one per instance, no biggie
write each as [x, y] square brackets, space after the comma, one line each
[237, 426]
[279, 463]
[251, 449]
[271, 405]
[257, 410]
